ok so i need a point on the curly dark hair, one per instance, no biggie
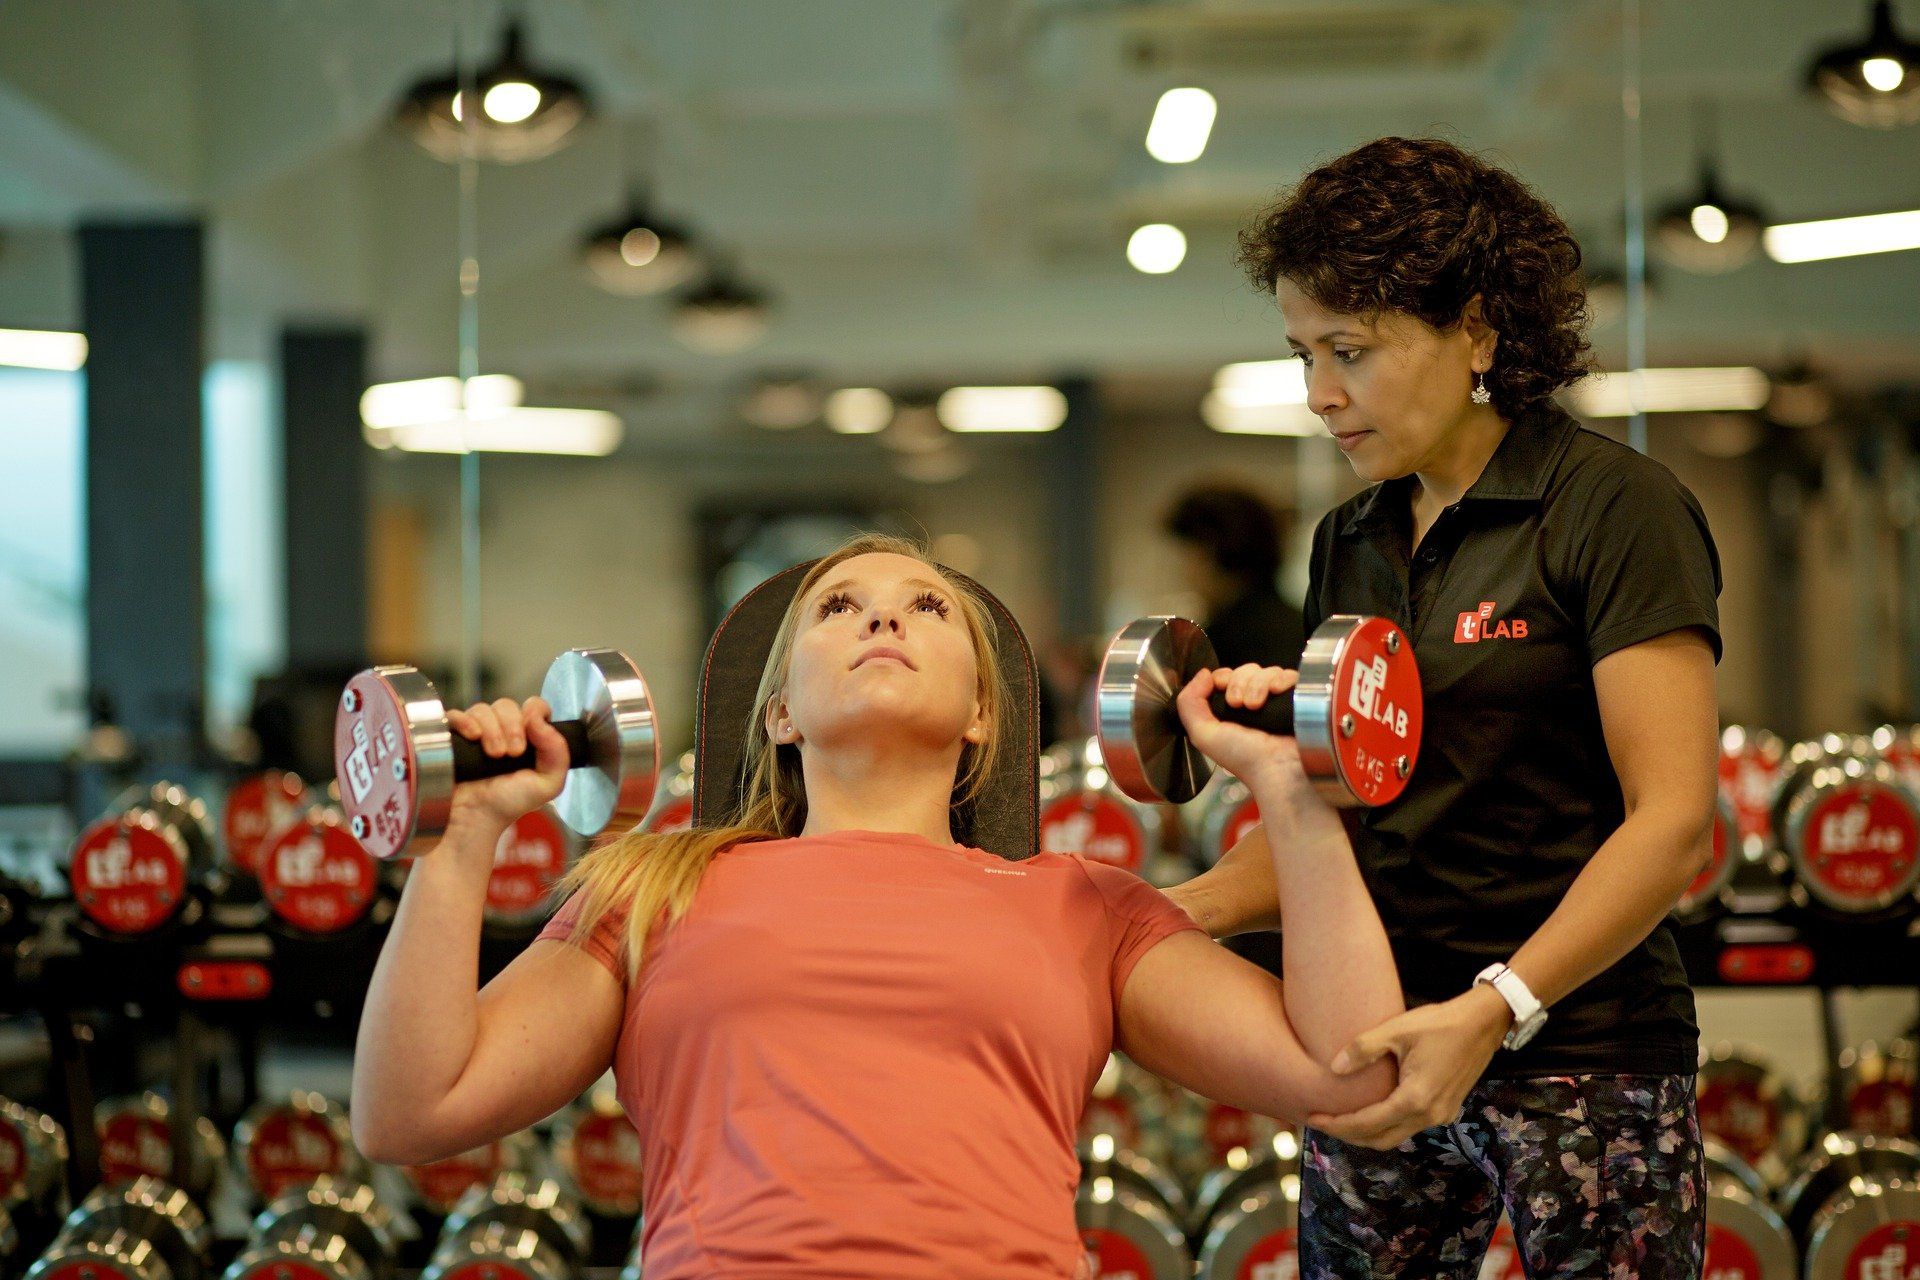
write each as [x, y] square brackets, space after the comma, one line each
[1419, 226]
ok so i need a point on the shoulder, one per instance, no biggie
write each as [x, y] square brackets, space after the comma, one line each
[1120, 892]
[1599, 469]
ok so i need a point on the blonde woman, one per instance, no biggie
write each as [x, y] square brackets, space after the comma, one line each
[853, 1047]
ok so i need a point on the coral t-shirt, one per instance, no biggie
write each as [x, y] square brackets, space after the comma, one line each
[864, 1055]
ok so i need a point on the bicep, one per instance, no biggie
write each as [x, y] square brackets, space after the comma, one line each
[548, 1024]
[1659, 713]
[1196, 1014]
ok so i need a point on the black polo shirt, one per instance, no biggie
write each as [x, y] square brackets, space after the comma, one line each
[1568, 547]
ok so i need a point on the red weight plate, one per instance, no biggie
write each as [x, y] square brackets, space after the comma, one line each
[1713, 875]
[442, 1183]
[366, 744]
[1739, 1115]
[281, 1268]
[675, 815]
[529, 860]
[90, 1268]
[1890, 1252]
[1502, 1259]
[1116, 1256]
[1111, 1116]
[290, 1148]
[257, 807]
[1096, 825]
[606, 1160]
[1881, 1106]
[1375, 716]
[13, 1163]
[496, 1269]
[1749, 777]
[1244, 820]
[1227, 1128]
[1729, 1256]
[316, 876]
[132, 1146]
[1862, 842]
[128, 877]
[1274, 1257]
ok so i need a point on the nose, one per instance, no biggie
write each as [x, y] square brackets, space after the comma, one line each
[1324, 392]
[882, 617]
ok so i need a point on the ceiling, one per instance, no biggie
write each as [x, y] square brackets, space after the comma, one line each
[934, 190]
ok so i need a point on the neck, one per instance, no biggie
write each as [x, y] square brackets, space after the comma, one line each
[886, 787]
[1449, 471]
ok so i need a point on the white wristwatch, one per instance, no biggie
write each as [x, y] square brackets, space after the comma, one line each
[1529, 1015]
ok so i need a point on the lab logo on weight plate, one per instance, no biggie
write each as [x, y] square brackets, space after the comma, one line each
[1478, 624]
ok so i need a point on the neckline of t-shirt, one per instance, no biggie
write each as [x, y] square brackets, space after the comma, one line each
[910, 838]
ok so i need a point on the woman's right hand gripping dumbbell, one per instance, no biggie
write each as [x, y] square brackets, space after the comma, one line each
[504, 727]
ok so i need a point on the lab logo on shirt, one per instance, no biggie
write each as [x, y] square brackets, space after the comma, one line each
[1478, 624]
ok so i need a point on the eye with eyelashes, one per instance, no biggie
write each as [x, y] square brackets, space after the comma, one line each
[838, 600]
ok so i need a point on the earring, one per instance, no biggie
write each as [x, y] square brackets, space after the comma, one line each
[1480, 393]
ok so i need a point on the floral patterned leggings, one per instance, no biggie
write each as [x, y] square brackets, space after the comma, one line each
[1600, 1175]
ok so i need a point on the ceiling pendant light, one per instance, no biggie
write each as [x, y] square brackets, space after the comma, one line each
[1709, 232]
[640, 253]
[524, 113]
[721, 315]
[1873, 82]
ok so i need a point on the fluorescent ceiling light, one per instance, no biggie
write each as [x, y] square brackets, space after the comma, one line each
[1843, 237]
[859, 411]
[1263, 382]
[1181, 123]
[1157, 248]
[431, 400]
[43, 349]
[583, 432]
[971, 409]
[1224, 414]
[1737, 389]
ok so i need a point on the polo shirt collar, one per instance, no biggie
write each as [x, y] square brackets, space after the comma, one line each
[1518, 470]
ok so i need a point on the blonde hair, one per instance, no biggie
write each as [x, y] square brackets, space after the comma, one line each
[653, 877]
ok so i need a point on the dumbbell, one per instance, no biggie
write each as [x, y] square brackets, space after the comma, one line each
[1082, 813]
[328, 1229]
[1850, 825]
[33, 1166]
[144, 1230]
[1745, 1236]
[1877, 1086]
[533, 853]
[1129, 1232]
[1752, 1108]
[398, 759]
[1854, 1205]
[316, 879]
[1356, 712]
[598, 1149]
[136, 1141]
[1225, 1186]
[673, 802]
[438, 1187]
[1706, 896]
[1255, 1230]
[145, 867]
[288, 1142]
[257, 807]
[521, 1227]
[1102, 1156]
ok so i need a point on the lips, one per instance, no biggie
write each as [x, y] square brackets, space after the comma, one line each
[885, 651]
[1349, 440]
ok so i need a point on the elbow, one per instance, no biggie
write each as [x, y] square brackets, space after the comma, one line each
[383, 1142]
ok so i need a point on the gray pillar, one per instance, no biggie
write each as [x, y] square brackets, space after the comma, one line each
[142, 308]
[1072, 470]
[322, 373]
[1783, 481]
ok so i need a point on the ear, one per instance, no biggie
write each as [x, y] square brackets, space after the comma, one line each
[780, 727]
[977, 731]
[1473, 318]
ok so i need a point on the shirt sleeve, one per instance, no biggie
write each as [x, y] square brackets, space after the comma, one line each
[1644, 560]
[604, 944]
[1139, 917]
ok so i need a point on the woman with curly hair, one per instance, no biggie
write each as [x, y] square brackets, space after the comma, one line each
[1560, 589]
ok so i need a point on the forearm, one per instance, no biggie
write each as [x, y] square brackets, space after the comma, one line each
[420, 1022]
[1626, 889]
[1238, 894]
[1340, 974]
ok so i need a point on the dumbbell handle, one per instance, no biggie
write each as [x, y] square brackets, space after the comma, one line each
[471, 761]
[1275, 716]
